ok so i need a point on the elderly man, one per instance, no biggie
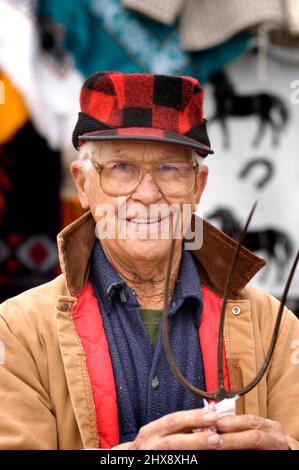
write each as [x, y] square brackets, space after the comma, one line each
[83, 363]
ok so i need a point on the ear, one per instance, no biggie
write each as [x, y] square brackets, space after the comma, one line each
[79, 177]
[200, 183]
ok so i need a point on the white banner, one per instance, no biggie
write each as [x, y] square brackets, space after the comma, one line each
[267, 172]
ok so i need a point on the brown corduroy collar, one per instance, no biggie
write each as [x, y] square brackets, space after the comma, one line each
[75, 243]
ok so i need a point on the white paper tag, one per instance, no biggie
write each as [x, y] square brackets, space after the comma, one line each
[225, 407]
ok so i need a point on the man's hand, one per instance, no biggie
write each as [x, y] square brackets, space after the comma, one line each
[251, 432]
[174, 432]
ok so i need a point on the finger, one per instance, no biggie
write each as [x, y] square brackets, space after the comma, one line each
[194, 441]
[229, 424]
[179, 422]
[252, 440]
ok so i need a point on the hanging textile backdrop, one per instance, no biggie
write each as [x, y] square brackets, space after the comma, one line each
[241, 173]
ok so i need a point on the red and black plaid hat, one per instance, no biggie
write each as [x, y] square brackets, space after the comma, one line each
[145, 107]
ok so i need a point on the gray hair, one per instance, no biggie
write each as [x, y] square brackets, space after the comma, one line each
[89, 149]
[86, 153]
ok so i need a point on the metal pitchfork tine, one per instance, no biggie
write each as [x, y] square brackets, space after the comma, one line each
[221, 392]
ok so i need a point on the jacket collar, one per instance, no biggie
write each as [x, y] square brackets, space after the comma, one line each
[76, 241]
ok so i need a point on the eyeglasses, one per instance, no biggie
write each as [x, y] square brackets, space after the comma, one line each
[121, 178]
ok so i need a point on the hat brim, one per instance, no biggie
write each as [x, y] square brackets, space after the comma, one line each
[143, 134]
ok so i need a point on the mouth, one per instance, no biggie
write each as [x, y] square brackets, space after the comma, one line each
[141, 221]
[144, 221]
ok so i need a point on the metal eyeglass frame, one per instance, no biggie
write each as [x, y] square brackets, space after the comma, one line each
[99, 167]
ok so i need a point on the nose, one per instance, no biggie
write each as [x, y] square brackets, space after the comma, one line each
[147, 191]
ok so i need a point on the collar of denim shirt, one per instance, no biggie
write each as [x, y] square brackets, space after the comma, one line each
[112, 287]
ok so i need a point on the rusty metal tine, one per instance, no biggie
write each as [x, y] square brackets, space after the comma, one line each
[221, 393]
[221, 389]
[167, 348]
[268, 356]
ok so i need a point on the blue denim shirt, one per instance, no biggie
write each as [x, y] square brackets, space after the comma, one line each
[146, 387]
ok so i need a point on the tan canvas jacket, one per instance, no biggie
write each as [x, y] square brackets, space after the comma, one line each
[45, 394]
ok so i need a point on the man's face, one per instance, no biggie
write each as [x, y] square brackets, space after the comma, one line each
[138, 224]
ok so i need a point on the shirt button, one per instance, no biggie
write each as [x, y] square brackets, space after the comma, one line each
[64, 307]
[236, 310]
[123, 296]
[155, 383]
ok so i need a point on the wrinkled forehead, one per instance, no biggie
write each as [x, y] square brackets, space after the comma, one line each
[143, 151]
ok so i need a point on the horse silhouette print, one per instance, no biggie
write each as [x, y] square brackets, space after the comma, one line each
[276, 244]
[270, 109]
